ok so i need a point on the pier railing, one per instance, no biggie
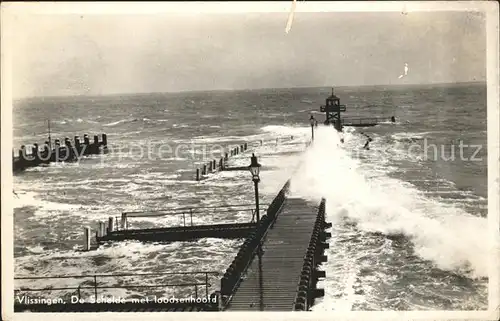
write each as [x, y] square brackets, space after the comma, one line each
[197, 284]
[307, 290]
[186, 214]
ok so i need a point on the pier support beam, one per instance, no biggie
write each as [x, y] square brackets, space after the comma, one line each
[111, 226]
[124, 221]
[86, 239]
[102, 229]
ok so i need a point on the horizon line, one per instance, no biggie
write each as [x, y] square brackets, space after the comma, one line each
[240, 89]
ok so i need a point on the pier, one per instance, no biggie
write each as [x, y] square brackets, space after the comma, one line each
[367, 122]
[191, 225]
[277, 266]
[61, 151]
[282, 274]
[218, 165]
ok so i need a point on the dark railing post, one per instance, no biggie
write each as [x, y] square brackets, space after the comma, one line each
[191, 215]
[95, 287]
[261, 284]
[196, 291]
[79, 294]
[184, 218]
[256, 186]
[206, 284]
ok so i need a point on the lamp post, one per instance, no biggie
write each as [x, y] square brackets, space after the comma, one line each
[255, 169]
[313, 121]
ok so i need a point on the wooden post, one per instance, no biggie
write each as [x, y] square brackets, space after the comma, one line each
[36, 153]
[210, 166]
[105, 140]
[100, 230]
[86, 239]
[70, 152]
[86, 144]
[111, 226]
[215, 165]
[204, 172]
[31, 159]
[78, 147]
[197, 174]
[226, 156]
[95, 146]
[221, 163]
[124, 221]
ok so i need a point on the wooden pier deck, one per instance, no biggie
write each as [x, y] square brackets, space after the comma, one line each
[182, 233]
[270, 282]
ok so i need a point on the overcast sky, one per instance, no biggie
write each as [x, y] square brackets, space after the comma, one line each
[103, 54]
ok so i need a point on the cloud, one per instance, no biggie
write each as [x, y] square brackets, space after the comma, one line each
[102, 54]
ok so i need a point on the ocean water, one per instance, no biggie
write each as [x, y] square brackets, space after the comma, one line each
[409, 215]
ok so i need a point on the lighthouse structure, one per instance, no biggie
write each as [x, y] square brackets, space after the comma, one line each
[333, 108]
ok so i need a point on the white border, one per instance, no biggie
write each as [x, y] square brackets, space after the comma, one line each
[10, 10]
[198, 7]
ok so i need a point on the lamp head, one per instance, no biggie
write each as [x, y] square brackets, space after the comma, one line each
[254, 168]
